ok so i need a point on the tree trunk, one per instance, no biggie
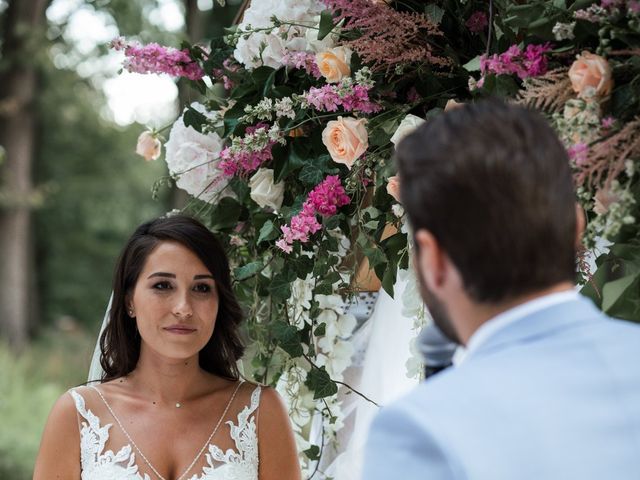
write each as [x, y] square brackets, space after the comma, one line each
[24, 23]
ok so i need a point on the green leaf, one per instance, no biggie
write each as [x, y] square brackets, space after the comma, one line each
[313, 453]
[472, 65]
[320, 330]
[434, 12]
[389, 280]
[326, 24]
[268, 232]
[617, 297]
[332, 222]
[320, 383]
[193, 118]
[323, 289]
[231, 117]
[288, 338]
[268, 84]
[291, 159]
[248, 270]
[280, 287]
[226, 214]
[311, 175]
[303, 266]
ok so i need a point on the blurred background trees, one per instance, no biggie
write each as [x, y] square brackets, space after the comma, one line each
[71, 187]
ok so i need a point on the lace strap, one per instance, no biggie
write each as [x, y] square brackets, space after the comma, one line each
[255, 401]
[92, 420]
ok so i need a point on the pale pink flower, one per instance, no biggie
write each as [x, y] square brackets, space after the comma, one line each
[148, 146]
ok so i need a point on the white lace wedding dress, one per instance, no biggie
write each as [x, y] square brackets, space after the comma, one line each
[237, 460]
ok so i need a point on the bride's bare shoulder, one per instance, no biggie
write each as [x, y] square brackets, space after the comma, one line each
[59, 455]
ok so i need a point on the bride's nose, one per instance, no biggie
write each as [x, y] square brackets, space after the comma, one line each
[182, 306]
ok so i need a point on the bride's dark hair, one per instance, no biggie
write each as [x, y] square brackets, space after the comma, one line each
[120, 341]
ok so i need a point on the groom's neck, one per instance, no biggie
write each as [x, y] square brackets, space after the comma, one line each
[468, 316]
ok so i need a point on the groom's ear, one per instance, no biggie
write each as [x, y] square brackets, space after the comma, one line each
[430, 259]
[581, 223]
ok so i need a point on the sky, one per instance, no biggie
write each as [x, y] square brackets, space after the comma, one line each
[150, 100]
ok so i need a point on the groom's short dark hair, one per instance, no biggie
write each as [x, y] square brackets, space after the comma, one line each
[492, 183]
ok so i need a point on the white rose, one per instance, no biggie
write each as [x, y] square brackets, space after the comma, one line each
[268, 48]
[193, 158]
[408, 125]
[264, 191]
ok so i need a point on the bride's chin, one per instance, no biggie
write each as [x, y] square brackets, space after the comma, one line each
[172, 354]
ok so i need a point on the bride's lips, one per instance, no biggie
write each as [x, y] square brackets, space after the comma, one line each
[180, 329]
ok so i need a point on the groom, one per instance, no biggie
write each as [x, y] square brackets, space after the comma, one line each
[549, 388]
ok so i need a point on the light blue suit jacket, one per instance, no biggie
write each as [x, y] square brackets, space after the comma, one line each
[551, 396]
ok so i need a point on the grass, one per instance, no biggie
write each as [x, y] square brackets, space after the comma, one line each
[30, 383]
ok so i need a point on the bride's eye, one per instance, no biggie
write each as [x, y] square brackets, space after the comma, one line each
[202, 288]
[162, 286]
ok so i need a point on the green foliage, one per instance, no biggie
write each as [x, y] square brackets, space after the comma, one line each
[29, 385]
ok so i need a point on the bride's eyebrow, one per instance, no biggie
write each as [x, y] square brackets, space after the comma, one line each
[171, 275]
[161, 274]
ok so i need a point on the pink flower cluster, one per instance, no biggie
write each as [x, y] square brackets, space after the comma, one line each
[243, 161]
[477, 22]
[154, 58]
[578, 153]
[607, 8]
[528, 63]
[330, 97]
[324, 199]
[304, 61]
[228, 65]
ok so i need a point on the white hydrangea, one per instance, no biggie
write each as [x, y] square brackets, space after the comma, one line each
[563, 31]
[269, 47]
[300, 301]
[193, 159]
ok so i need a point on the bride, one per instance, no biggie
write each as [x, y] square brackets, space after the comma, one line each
[170, 404]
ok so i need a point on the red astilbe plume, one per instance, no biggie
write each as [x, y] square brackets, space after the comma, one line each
[387, 37]
[606, 159]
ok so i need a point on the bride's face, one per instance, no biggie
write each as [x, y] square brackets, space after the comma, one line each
[175, 302]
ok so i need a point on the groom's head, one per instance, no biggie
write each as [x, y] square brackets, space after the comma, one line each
[489, 193]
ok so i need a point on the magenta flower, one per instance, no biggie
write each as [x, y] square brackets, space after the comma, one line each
[531, 62]
[247, 154]
[331, 97]
[154, 58]
[324, 199]
[477, 22]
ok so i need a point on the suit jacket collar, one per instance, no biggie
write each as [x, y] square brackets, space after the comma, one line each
[539, 324]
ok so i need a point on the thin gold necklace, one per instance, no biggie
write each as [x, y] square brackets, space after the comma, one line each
[206, 444]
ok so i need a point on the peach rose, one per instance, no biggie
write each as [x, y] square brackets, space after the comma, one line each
[334, 64]
[603, 200]
[148, 146]
[590, 75]
[393, 187]
[451, 104]
[346, 139]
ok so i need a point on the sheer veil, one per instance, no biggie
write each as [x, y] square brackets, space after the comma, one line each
[95, 370]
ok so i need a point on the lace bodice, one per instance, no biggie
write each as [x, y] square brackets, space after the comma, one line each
[238, 464]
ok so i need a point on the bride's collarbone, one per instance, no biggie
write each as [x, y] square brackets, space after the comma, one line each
[169, 437]
[150, 416]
